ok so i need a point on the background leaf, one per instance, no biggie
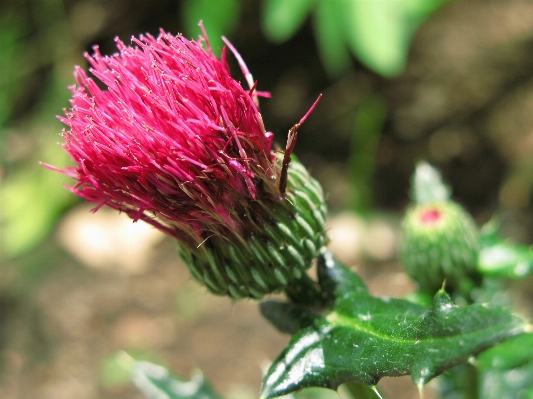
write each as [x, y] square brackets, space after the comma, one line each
[506, 371]
[282, 18]
[156, 382]
[329, 35]
[363, 338]
[369, 123]
[11, 85]
[506, 260]
[500, 258]
[380, 32]
[220, 18]
[27, 221]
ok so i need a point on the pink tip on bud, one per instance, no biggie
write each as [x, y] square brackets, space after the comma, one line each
[430, 216]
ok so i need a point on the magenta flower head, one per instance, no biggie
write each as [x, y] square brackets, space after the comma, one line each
[170, 138]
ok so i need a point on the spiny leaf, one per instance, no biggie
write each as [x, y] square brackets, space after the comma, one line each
[364, 338]
[362, 391]
[287, 317]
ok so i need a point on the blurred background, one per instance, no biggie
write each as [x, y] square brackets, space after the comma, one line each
[450, 82]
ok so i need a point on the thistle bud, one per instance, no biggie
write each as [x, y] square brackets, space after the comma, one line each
[440, 239]
[170, 138]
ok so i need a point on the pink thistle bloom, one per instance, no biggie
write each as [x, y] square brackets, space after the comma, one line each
[173, 140]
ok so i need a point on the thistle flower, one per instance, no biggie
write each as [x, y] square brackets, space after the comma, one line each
[173, 140]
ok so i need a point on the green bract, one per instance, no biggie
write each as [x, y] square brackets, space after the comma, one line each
[289, 234]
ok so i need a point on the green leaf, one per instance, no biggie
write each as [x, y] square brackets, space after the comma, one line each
[378, 35]
[219, 17]
[460, 382]
[512, 353]
[506, 260]
[32, 199]
[156, 382]
[362, 391]
[282, 18]
[288, 318]
[506, 371]
[499, 258]
[427, 185]
[329, 34]
[489, 234]
[379, 32]
[116, 369]
[12, 86]
[364, 338]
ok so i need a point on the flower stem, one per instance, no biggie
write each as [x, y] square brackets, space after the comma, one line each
[358, 390]
[305, 291]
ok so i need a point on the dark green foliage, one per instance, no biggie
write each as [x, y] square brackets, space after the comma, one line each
[506, 371]
[363, 338]
[378, 33]
[500, 258]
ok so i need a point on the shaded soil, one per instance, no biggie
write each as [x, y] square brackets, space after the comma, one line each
[57, 339]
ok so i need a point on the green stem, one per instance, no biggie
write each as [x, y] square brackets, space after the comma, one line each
[305, 291]
[471, 386]
[462, 382]
[361, 391]
[365, 138]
